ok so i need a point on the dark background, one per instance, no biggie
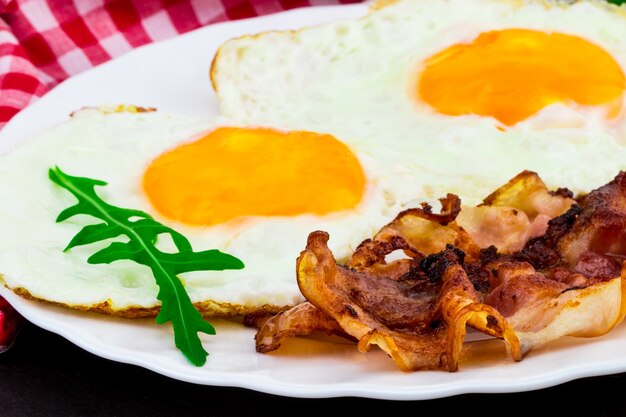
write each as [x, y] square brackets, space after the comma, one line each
[45, 375]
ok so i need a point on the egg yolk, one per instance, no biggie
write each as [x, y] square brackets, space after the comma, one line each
[233, 172]
[512, 74]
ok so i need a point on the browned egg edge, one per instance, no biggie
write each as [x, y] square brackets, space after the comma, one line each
[208, 308]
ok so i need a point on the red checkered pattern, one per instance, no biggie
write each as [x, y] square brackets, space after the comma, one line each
[43, 42]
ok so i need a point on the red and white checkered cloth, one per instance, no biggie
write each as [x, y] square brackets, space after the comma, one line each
[43, 42]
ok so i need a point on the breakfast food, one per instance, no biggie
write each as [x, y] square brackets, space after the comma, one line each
[449, 96]
[328, 132]
[252, 193]
[503, 269]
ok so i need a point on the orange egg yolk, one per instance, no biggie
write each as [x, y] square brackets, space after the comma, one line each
[233, 172]
[512, 74]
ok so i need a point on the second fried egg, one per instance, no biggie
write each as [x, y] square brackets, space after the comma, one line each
[451, 95]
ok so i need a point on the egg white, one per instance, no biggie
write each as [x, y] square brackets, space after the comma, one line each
[117, 148]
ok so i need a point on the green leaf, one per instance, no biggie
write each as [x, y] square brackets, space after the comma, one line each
[617, 1]
[93, 233]
[142, 232]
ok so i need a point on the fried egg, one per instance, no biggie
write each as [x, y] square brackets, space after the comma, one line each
[449, 95]
[254, 193]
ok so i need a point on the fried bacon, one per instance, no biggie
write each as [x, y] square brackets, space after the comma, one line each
[540, 309]
[418, 329]
[527, 266]
[300, 320]
[601, 228]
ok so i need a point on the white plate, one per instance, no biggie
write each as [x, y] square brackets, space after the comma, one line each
[173, 76]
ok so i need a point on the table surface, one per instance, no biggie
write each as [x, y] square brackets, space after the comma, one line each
[45, 375]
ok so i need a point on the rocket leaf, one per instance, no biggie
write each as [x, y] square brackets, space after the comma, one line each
[142, 231]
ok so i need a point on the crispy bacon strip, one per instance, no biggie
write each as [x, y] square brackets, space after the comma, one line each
[423, 331]
[422, 232]
[527, 192]
[541, 308]
[301, 320]
[600, 227]
[514, 213]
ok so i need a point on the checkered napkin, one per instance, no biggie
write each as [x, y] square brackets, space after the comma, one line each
[43, 42]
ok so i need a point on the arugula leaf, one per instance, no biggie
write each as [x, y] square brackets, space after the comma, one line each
[617, 1]
[142, 231]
